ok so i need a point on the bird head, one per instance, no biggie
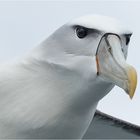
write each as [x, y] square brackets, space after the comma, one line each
[99, 39]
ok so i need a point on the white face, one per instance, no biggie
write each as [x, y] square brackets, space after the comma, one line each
[103, 38]
[77, 40]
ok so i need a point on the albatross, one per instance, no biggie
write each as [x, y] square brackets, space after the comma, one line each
[53, 91]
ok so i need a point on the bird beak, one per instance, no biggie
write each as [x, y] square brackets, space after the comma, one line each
[112, 67]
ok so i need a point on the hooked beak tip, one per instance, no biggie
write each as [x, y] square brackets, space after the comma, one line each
[132, 81]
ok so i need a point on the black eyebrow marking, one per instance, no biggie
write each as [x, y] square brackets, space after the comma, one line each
[89, 29]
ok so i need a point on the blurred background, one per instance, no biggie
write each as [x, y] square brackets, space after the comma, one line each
[24, 24]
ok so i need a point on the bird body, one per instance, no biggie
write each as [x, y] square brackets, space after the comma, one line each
[31, 112]
[53, 92]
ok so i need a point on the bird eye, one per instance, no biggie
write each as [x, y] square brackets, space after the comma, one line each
[81, 32]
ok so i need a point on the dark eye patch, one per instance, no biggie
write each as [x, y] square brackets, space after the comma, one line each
[127, 37]
[82, 31]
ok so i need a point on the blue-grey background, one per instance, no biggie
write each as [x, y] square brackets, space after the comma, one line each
[24, 24]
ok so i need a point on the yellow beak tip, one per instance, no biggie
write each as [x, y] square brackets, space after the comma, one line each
[132, 76]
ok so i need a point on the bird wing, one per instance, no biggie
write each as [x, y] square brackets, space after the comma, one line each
[108, 127]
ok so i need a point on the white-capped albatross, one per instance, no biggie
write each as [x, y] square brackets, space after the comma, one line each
[53, 92]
